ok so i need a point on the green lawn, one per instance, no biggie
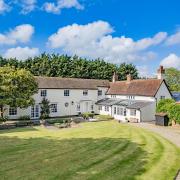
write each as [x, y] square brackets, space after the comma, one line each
[101, 150]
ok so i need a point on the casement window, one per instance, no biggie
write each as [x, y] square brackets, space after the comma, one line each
[100, 108]
[124, 112]
[78, 107]
[115, 111]
[66, 92]
[85, 92]
[53, 108]
[107, 108]
[162, 97]
[99, 92]
[35, 111]
[120, 111]
[132, 112]
[43, 93]
[12, 111]
[130, 97]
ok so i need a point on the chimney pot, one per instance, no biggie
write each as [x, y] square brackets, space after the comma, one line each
[129, 78]
[115, 77]
[160, 72]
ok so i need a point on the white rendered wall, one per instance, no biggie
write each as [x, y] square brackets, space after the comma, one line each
[163, 91]
[57, 96]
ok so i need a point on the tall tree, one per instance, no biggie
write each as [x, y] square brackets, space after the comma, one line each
[125, 69]
[16, 88]
[172, 77]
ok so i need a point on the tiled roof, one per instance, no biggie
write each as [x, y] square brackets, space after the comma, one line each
[69, 83]
[145, 87]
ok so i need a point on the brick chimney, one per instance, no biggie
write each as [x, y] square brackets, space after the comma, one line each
[129, 78]
[115, 77]
[161, 73]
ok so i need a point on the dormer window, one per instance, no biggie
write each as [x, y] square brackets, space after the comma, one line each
[99, 92]
[43, 93]
[85, 92]
[66, 92]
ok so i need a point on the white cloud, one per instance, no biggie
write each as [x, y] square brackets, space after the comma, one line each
[143, 71]
[20, 34]
[94, 40]
[4, 7]
[171, 61]
[27, 6]
[56, 8]
[173, 39]
[21, 53]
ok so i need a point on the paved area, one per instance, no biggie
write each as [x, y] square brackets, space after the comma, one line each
[170, 133]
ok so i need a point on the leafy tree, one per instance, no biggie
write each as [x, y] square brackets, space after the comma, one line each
[125, 69]
[164, 105]
[66, 66]
[16, 88]
[172, 77]
[45, 109]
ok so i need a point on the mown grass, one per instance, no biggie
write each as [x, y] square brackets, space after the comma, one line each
[101, 150]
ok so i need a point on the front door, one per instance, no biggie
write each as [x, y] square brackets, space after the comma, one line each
[35, 112]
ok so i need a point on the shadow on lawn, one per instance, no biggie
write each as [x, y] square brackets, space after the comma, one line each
[75, 158]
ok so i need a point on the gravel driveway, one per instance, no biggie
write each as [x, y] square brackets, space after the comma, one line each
[170, 133]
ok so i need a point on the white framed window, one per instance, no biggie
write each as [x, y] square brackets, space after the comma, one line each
[99, 92]
[132, 112]
[12, 111]
[107, 108]
[66, 92]
[43, 93]
[85, 92]
[35, 111]
[120, 111]
[100, 108]
[78, 107]
[130, 97]
[115, 110]
[124, 111]
[113, 96]
[53, 108]
[162, 97]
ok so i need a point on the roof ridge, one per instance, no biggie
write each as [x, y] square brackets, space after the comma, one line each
[70, 78]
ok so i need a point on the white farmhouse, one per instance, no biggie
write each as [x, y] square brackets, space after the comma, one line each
[133, 100]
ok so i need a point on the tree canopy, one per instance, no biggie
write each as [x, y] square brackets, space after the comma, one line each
[76, 67]
[172, 77]
[16, 88]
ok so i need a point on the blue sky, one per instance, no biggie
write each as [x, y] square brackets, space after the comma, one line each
[145, 33]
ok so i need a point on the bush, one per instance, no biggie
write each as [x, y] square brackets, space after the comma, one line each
[53, 121]
[87, 115]
[171, 108]
[3, 119]
[174, 113]
[164, 105]
[24, 118]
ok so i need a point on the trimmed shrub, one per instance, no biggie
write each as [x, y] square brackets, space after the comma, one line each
[87, 115]
[53, 121]
[24, 118]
